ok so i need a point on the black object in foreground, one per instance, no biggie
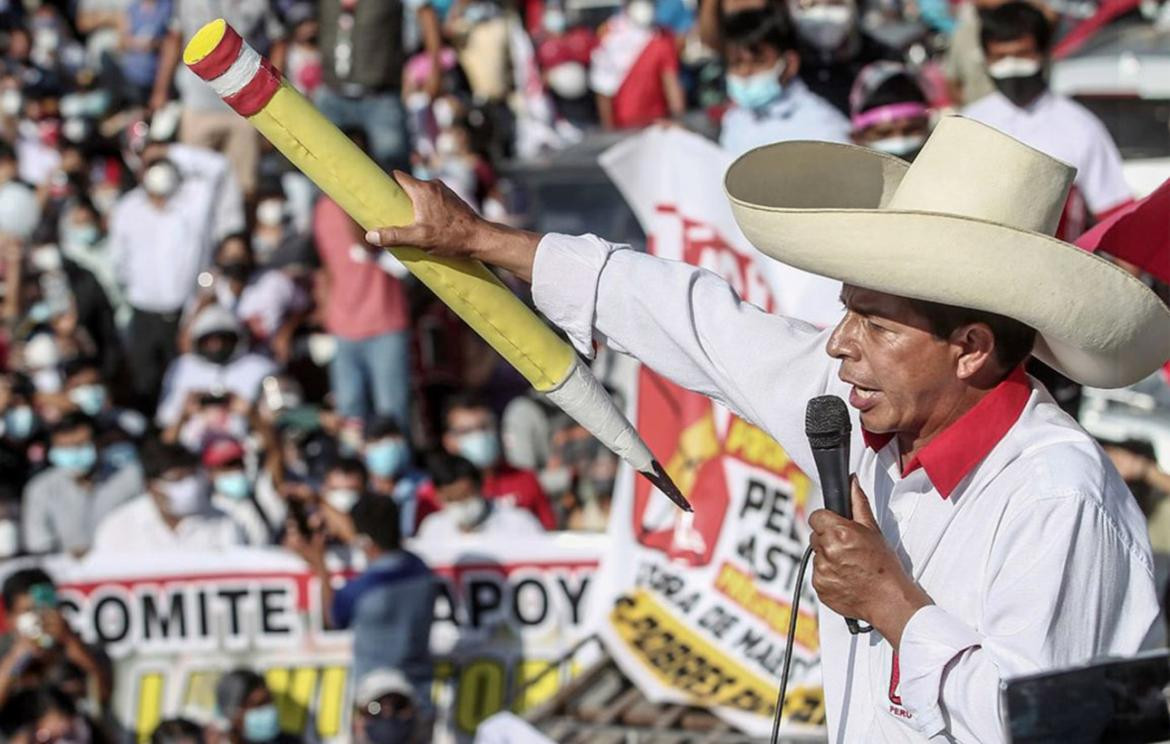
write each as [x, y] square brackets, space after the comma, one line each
[663, 483]
[1111, 701]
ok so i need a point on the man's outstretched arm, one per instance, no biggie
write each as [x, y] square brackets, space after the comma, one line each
[684, 322]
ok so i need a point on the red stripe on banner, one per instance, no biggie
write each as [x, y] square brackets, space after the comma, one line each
[258, 91]
[221, 58]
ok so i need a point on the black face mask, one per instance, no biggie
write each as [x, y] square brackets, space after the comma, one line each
[1021, 91]
[236, 271]
[219, 354]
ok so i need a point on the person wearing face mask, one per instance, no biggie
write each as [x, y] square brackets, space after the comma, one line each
[387, 458]
[562, 53]
[385, 712]
[634, 70]
[464, 508]
[470, 432]
[161, 238]
[247, 711]
[1016, 40]
[390, 606]
[233, 490]
[218, 362]
[833, 48]
[82, 241]
[174, 514]
[770, 102]
[40, 645]
[889, 110]
[65, 502]
[85, 388]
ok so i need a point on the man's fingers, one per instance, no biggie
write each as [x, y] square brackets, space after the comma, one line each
[409, 184]
[861, 511]
[391, 237]
[822, 520]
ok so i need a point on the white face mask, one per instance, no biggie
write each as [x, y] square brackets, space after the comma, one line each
[641, 13]
[1014, 67]
[899, 146]
[270, 212]
[342, 499]
[825, 26]
[447, 144]
[444, 113]
[183, 497]
[11, 102]
[161, 179]
[468, 512]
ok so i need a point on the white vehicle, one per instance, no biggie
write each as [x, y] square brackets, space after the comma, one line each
[1123, 76]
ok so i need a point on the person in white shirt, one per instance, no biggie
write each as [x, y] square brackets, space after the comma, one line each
[993, 538]
[175, 513]
[465, 511]
[1016, 38]
[161, 237]
[770, 101]
[218, 363]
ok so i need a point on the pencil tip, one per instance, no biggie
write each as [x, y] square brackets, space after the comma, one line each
[663, 482]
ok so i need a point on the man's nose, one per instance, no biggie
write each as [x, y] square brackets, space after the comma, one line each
[843, 342]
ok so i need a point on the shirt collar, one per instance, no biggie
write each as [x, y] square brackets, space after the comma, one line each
[957, 449]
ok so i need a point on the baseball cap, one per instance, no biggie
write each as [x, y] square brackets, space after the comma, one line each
[381, 682]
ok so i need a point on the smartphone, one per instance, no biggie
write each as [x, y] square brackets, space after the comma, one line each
[44, 596]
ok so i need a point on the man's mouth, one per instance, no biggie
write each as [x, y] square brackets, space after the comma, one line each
[863, 398]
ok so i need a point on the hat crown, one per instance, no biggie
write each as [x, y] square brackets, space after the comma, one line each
[972, 170]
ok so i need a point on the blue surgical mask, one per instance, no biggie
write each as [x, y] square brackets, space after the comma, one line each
[386, 457]
[89, 398]
[234, 484]
[261, 724]
[78, 459]
[119, 454]
[482, 448]
[19, 422]
[39, 312]
[82, 235]
[758, 90]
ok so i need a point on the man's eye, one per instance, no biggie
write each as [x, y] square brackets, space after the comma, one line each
[875, 326]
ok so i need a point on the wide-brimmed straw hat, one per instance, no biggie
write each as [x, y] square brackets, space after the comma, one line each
[970, 224]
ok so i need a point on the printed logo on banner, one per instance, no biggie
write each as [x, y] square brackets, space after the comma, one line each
[699, 604]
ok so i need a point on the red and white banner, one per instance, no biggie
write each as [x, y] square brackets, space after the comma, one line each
[173, 624]
[695, 607]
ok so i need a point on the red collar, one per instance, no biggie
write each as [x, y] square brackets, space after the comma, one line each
[955, 451]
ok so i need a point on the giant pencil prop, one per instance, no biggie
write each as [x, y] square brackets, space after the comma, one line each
[257, 91]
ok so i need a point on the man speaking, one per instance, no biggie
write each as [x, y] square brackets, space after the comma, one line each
[992, 536]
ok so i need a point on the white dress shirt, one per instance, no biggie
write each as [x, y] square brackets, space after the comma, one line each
[159, 252]
[1012, 520]
[138, 527]
[502, 520]
[1068, 131]
[798, 114]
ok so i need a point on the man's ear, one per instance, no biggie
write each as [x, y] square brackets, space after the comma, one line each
[975, 359]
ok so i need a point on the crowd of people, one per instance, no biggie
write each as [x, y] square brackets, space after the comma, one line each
[200, 351]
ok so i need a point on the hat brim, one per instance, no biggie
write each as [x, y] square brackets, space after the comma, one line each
[819, 206]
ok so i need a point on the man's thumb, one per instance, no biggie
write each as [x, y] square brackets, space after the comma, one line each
[861, 511]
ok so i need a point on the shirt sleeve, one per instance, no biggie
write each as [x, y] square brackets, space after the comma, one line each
[1102, 180]
[689, 325]
[1039, 613]
[36, 534]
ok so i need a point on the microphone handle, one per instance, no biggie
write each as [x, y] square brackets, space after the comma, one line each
[833, 468]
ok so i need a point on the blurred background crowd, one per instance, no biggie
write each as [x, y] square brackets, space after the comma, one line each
[199, 351]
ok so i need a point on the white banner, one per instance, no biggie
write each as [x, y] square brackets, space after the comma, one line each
[172, 624]
[700, 603]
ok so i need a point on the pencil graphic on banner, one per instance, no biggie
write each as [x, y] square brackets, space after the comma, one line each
[257, 91]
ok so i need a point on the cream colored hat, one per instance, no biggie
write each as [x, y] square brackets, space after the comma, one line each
[969, 223]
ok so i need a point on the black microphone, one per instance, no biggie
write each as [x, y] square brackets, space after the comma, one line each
[827, 426]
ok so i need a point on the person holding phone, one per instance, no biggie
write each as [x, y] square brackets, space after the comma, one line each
[40, 640]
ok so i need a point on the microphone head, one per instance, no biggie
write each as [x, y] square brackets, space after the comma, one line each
[826, 422]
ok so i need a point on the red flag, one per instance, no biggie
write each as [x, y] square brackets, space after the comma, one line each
[1138, 233]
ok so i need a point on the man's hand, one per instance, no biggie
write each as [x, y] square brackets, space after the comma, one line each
[444, 225]
[856, 574]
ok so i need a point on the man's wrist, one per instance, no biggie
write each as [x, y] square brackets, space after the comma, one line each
[894, 610]
[507, 247]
